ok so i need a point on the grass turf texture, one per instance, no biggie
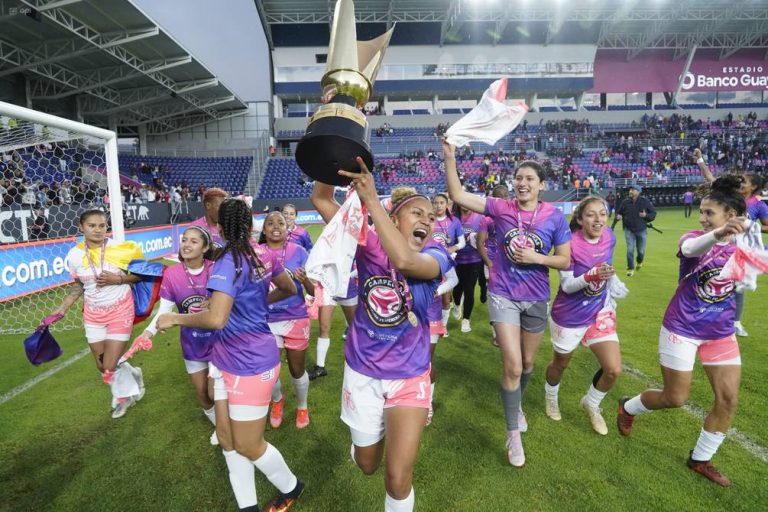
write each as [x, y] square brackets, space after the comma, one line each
[62, 451]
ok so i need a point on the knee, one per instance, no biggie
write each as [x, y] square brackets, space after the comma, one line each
[529, 361]
[368, 467]
[727, 401]
[398, 482]
[513, 371]
[611, 373]
[675, 398]
[251, 450]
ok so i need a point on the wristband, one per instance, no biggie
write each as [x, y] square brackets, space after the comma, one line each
[700, 161]
[591, 276]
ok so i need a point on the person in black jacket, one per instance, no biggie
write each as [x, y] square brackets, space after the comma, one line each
[635, 213]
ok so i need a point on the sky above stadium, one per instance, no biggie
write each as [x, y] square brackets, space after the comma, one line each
[226, 36]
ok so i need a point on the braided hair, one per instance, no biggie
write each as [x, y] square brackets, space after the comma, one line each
[236, 224]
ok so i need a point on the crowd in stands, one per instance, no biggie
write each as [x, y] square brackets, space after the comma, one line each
[385, 129]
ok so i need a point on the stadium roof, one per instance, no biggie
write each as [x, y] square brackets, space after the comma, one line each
[632, 25]
[109, 63]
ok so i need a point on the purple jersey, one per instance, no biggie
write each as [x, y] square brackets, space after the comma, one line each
[447, 231]
[757, 209]
[470, 224]
[291, 256]
[299, 236]
[542, 229]
[213, 230]
[382, 342]
[245, 346]
[704, 305]
[488, 227]
[188, 291]
[688, 197]
[581, 308]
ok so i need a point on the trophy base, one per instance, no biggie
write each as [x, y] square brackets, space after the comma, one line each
[336, 135]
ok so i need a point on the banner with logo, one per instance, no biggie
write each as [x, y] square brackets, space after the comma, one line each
[655, 71]
[36, 266]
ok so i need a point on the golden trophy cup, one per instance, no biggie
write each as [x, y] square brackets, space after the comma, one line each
[338, 132]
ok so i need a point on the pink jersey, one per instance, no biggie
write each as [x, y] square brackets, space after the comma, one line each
[704, 305]
[188, 291]
[580, 309]
[213, 230]
[470, 224]
[541, 229]
[447, 231]
[491, 247]
[298, 235]
[383, 341]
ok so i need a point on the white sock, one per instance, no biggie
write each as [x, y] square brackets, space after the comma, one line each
[594, 396]
[551, 390]
[211, 414]
[323, 344]
[634, 406]
[393, 505]
[242, 478]
[446, 316]
[277, 391]
[301, 388]
[276, 470]
[707, 445]
[432, 385]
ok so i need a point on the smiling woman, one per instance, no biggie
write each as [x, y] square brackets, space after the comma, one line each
[386, 390]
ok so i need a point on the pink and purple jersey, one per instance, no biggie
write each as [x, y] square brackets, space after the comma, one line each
[218, 242]
[491, 247]
[581, 308]
[542, 229]
[299, 236]
[291, 256]
[382, 342]
[447, 231]
[470, 224]
[245, 346]
[756, 209]
[704, 305]
[688, 197]
[188, 292]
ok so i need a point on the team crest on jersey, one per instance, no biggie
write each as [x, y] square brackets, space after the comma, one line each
[383, 303]
[512, 241]
[192, 304]
[441, 238]
[711, 288]
[594, 289]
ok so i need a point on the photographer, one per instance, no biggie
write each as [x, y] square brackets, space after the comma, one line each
[635, 213]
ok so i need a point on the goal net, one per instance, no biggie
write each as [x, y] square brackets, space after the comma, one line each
[51, 170]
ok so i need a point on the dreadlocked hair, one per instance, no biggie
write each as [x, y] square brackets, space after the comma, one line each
[726, 191]
[236, 225]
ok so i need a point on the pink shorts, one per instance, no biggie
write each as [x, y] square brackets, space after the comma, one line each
[437, 328]
[113, 322]
[291, 334]
[566, 339]
[363, 398]
[244, 389]
[679, 352]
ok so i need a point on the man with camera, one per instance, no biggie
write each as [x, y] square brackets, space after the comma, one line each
[635, 213]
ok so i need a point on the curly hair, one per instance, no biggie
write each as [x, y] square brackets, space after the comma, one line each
[236, 224]
[726, 191]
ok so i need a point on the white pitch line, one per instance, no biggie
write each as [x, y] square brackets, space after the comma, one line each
[757, 450]
[36, 380]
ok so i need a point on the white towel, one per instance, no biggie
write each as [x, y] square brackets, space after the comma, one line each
[124, 382]
[748, 261]
[616, 290]
[330, 261]
[490, 120]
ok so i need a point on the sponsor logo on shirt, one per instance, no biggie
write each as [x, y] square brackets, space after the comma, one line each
[711, 288]
[382, 302]
[594, 289]
[192, 304]
[441, 238]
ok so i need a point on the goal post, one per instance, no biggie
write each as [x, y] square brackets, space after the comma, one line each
[51, 170]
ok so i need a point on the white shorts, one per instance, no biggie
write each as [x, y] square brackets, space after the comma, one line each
[678, 352]
[363, 400]
[347, 302]
[566, 339]
[195, 366]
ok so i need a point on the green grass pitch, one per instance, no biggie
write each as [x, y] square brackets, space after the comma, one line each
[61, 451]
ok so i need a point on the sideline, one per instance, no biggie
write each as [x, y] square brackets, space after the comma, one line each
[757, 450]
[36, 380]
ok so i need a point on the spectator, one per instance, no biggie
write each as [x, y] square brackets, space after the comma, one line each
[39, 229]
[635, 213]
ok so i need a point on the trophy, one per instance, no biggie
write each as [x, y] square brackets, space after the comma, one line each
[338, 132]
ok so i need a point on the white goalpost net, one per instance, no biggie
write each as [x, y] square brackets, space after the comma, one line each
[51, 170]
